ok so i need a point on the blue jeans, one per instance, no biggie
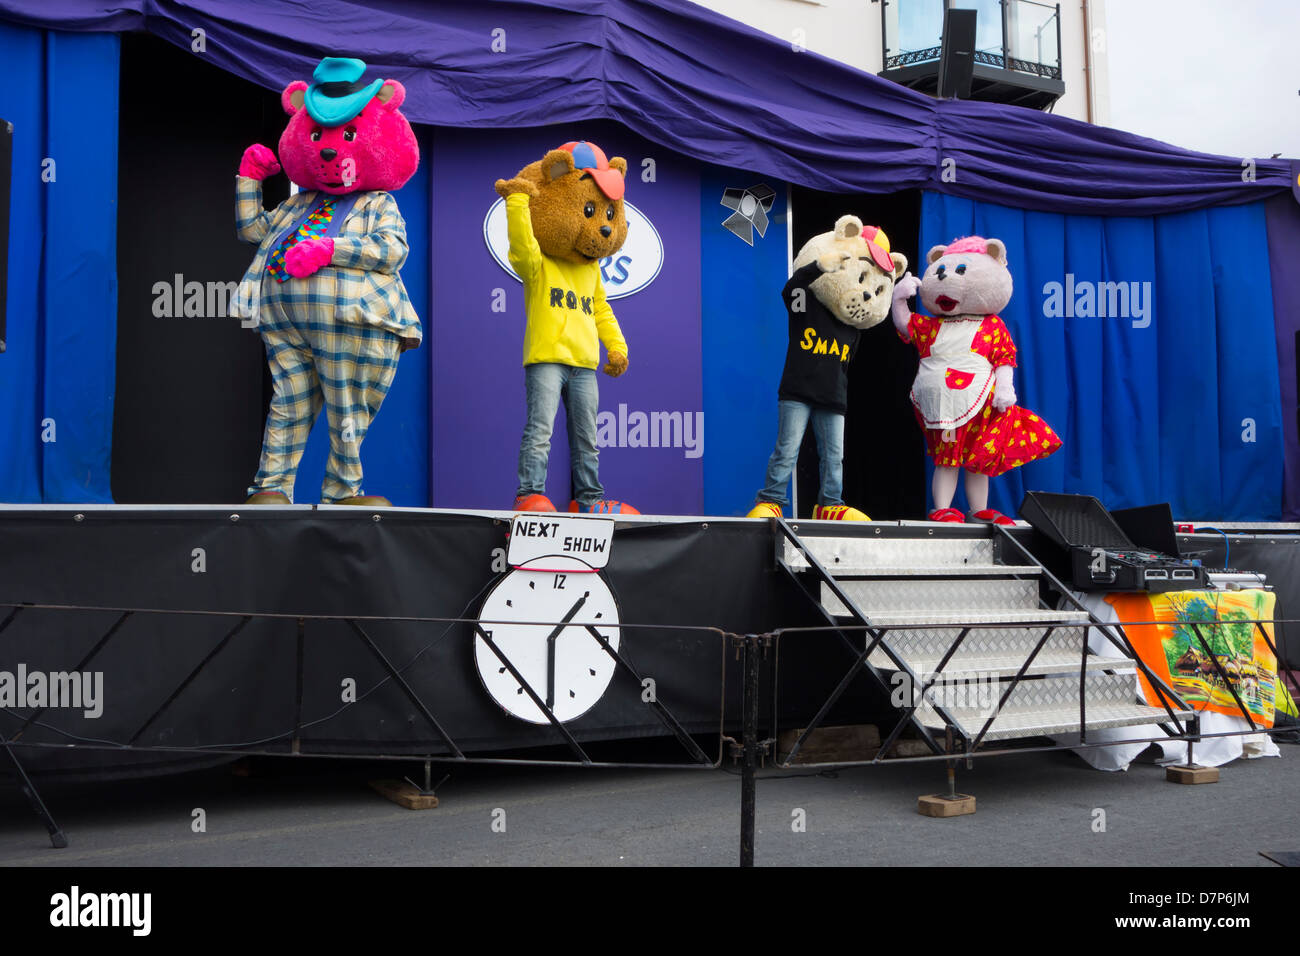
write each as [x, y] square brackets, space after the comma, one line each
[828, 427]
[545, 384]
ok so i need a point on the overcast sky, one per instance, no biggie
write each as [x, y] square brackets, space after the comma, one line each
[1220, 76]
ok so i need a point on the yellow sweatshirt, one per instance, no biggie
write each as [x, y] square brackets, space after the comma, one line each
[564, 302]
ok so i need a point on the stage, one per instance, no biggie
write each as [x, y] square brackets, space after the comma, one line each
[204, 632]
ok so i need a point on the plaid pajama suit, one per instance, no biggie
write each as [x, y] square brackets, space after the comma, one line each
[332, 338]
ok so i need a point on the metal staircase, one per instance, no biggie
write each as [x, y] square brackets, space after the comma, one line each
[966, 642]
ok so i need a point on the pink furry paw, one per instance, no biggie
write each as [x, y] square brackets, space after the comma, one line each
[258, 162]
[308, 257]
[906, 287]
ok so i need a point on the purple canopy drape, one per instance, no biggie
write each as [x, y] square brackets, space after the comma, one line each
[695, 82]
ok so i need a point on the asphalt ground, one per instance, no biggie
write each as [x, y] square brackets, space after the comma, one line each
[1034, 809]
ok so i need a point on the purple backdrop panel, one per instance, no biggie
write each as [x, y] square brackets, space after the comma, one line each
[651, 418]
[1282, 217]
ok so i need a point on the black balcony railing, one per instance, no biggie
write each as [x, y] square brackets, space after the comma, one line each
[1017, 47]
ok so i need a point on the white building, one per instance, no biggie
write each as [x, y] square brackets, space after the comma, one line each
[900, 39]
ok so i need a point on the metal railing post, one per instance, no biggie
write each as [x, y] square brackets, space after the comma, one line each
[751, 659]
[295, 746]
[1060, 69]
[884, 36]
[749, 744]
[1006, 43]
[57, 838]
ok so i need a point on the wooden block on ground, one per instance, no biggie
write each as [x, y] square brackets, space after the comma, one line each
[942, 805]
[909, 748]
[403, 794]
[1192, 774]
[831, 744]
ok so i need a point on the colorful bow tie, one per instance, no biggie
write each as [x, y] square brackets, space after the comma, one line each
[312, 228]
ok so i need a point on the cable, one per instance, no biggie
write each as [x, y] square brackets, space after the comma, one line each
[1227, 543]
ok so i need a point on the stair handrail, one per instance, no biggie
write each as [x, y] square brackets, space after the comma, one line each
[1160, 687]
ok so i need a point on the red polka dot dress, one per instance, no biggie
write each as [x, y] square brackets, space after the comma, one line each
[953, 397]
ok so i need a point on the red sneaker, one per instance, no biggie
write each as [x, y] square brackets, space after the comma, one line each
[603, 508]
[949, 515]
[989, 516]
[533, 503]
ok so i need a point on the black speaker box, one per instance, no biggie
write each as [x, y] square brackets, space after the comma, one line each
[957, 56]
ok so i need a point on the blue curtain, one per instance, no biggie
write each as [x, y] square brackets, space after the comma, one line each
[57, 376]
[744, 332]
[1176, 399]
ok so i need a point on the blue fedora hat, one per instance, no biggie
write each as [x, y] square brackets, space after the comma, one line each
[337, 93]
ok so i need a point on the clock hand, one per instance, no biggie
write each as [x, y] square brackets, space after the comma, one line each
[550, 648]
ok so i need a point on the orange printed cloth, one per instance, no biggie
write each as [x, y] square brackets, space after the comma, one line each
[1171, 649]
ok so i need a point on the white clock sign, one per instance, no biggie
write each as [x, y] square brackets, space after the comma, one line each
[541, 617]
[562, 662]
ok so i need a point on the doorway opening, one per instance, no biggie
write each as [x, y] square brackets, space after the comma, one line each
[884, 449]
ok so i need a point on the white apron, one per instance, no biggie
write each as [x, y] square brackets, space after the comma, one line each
[953, 381]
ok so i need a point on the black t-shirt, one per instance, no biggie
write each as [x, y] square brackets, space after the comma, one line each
[821, 347]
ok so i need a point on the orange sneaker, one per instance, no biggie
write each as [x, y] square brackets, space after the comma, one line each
[533, 503]
[838, 513]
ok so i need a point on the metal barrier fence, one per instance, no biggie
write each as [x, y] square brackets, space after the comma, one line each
[758, 654]
[612, 641]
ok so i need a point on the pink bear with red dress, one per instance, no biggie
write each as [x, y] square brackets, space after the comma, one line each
[963, 394]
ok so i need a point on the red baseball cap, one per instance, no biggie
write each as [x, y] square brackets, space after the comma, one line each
[878, 244]
[591, 159]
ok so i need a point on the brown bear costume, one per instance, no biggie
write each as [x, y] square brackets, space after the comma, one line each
[564, 213]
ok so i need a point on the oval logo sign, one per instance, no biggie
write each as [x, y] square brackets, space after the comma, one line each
[629, 270]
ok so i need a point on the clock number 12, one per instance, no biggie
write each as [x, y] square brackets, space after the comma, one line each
[559, 582]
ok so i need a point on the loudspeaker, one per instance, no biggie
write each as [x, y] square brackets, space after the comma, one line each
[957, 57]
[6, 164]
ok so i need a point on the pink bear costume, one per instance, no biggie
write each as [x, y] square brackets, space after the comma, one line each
[323, 289]
[963, 394]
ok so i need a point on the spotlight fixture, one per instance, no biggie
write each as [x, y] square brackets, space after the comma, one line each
[751, 207]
